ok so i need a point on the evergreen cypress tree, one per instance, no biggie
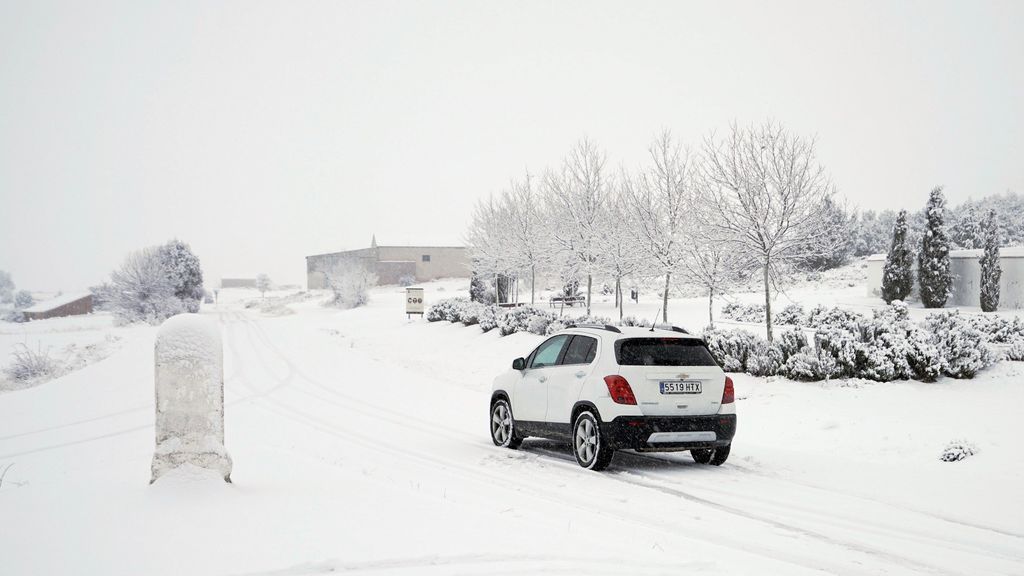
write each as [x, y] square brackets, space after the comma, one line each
[990, 269]
[898, 275]
[933, 262]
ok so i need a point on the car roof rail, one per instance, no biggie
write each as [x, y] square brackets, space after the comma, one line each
[671, 327]
[607, 327]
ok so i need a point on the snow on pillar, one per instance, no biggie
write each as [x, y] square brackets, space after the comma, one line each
[189, 397]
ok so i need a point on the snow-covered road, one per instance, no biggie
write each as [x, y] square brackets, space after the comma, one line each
[360, 445]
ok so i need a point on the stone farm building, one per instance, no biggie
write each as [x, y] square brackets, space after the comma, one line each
[64, 305]
[966, 268]
[391, 264]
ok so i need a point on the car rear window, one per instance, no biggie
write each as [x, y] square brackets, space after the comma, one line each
[663, 352]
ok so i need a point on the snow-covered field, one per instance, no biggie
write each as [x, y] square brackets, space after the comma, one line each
[360, 445]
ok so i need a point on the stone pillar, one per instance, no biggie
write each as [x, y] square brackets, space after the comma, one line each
[190, 396]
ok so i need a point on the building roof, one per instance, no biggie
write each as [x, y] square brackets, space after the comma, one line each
[57, 302]
[384, 247]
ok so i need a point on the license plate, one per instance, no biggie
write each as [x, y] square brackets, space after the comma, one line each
[680, 387]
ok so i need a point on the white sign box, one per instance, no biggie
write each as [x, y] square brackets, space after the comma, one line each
[414, 300]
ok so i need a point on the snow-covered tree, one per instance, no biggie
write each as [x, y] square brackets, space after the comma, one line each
[576, 197]
[186, 273]
[350, 282]
[933, 273]
[6, 286]
[765, 195]
[528, 245]
[489, 238]
[898, 274]
[621, 254]
[838, 219]
[263, 284]
[23, 299]
[142, 290]
[871, 232]
[966, 231]
[990, 268]
[659, 200]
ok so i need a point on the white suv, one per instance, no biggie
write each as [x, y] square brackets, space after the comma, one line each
[605, 388]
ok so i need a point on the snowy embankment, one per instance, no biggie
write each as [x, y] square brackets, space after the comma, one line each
[360, 444]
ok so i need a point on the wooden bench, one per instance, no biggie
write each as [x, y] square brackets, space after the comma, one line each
[567, 300]
[511, 304]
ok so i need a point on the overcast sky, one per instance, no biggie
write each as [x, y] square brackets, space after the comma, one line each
[261, 132]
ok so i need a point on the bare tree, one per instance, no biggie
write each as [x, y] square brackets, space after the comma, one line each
[263, 284]
[659, 200]
[711, 265]
[576, 198]
[489, 239]
[764, 194]
[528, 239]
[142, 289]
[621, 253]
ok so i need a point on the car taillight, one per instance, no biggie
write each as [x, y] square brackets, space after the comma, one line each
[619, 390]
[729, 394]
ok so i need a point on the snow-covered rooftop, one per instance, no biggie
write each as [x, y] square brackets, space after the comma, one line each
[57, 302]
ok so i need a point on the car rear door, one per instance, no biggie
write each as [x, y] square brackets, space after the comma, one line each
[671, 376]
[566, 380]
[531, 399]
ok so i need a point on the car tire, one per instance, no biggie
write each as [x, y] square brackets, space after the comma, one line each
[701, 455]
[714, 456]
[587, 445]
[721, 455]
[503, 426]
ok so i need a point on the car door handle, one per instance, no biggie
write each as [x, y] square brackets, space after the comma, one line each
[581, 374]
[543, 379]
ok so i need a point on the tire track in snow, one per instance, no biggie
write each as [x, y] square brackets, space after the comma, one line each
[376, 443]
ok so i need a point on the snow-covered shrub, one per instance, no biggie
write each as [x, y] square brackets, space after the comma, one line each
[1015, 352]
[962, 346]
[449, 309]
[350, 283]
[792, 314]
[924, 360]
[744, 312]
[471, 312]
[16, 316]
[825, 317]
[634, 321]
[998, 329]
[957, 450]
[23, 299]
[765, 359]
[730, 348]
[28, 364]
[883, 358]
[791, 342]
[142, 290]
[407, 280]
[841, 346]
[518, 319]
[538, 325]
[488, 319]
[810, 365]
[554, 326]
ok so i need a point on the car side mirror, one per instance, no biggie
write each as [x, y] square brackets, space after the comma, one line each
[519, 364]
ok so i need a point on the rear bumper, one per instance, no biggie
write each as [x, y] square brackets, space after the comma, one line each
[668, 433]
